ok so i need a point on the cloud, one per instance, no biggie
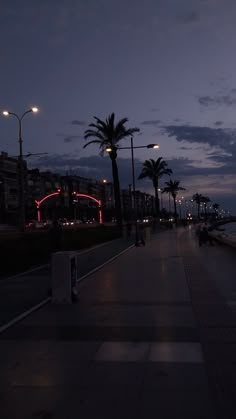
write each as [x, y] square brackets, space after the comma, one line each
[222, 137]
[218, 123]
[71, 138]
[152, 122]
[224, 100]
[77, 122]
[185, 148]
[92, 167]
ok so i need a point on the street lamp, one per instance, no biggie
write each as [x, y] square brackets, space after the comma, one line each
[21, 165]
[109, 150]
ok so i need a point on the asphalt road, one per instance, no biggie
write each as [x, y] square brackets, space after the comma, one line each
[21, 292]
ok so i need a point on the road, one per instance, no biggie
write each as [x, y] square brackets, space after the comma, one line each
[21, 292]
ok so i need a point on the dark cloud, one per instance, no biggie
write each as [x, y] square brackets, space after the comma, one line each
[224, 138]
[184, 167]
[152, 122]
[225, 100]
[71, 138]
[93, 167]
[218, 123]
[77, 122]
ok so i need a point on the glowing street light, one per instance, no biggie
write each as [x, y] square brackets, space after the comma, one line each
[21, 164]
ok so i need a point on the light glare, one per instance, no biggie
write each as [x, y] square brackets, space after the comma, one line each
[34, 109]
[6, 113]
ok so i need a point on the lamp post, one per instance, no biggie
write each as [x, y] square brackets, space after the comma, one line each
[160, 190]
[21, 166]
[109, 149]
[180, 213]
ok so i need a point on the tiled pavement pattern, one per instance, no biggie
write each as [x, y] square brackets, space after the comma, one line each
[217, 327]
[152, 336]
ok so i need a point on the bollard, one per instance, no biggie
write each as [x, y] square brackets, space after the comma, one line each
[64, 277]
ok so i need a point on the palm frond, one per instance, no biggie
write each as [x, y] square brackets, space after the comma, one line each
[92, 142]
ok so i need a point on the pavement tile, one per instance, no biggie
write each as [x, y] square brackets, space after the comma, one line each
[176, 352]
[175, 405]
[218, 334]
[115, 376]
[45, 374]
[123, 351]
[72, 351]
[218, 352]
[175, 376]
[35, 403]
[103, 405]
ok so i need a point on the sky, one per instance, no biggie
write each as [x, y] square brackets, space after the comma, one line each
[166, 65]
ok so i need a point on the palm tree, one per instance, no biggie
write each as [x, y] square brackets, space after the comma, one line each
[154, 170]
[215, 207]
[172, 187]
[205, 200]
[197, 197]
[107, 134]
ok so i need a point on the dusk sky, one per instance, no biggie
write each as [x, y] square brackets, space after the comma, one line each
[168, 66]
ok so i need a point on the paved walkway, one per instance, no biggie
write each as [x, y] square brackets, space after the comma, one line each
[152, 336]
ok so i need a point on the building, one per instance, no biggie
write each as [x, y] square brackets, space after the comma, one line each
[9, 188]
[64, 204]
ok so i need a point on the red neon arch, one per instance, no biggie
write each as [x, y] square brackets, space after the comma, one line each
[38, 203]
[80, 195]
[98, 201]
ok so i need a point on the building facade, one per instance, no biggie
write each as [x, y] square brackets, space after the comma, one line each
[64, 204]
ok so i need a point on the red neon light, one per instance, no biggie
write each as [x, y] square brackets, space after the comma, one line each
[82, 195]
[38, 203]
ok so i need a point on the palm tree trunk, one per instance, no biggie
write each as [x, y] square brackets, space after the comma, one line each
[157, 205]
[198, 211]
[175, 209]
[116, 184]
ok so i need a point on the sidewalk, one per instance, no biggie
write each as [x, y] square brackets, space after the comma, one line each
[152, 336]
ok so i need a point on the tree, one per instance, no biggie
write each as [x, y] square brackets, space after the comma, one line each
[172, 187]
[154, 170]
[107, 134]
[197, 197]
[205, 200]
[215, 207]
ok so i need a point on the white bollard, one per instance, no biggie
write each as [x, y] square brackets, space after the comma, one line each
[64, 277]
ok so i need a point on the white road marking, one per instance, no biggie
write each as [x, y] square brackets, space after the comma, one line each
[103, 264]
[23, 315]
